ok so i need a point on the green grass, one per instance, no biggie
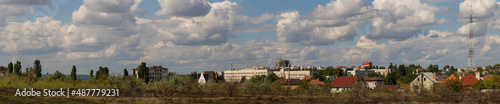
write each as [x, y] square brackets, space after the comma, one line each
[20, 82]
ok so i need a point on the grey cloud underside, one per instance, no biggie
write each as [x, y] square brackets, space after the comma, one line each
[183, 8]
[25, 2]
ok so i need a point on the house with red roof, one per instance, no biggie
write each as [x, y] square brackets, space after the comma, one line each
[308, 77]
[469, 80]
[313, 81]
[340, 84]
[317, 82]
[451, 77]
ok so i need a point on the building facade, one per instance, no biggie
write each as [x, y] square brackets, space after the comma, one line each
[374, 81]
[340, 84]
[287, 74]
[424, 81]
[207, 76]
[155, 73]
[236, 75]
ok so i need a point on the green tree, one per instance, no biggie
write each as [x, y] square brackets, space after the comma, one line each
[91, 73]
[59, 75]
[194, 75]
[243, 79]
[37, 68]
[144, 72]
[258, 78]
[452, 69]
[272, 77]
[408, 78]
[17, 68]
[29, 74]
[102, 73]
[11, 68]
[391, 78]
[133, 73]
[73, 73]
[496, 67]
[303, 85]
[125, 72]
[489, 68]
[402, 70]
[454, 85]
[374, 74]
[390, 66]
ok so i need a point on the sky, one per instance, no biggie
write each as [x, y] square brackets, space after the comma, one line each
[210, 35]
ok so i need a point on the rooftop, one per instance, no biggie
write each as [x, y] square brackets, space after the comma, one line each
[374, 79]
[316, 82]
[344, 81]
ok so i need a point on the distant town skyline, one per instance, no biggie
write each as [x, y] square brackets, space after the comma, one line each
[210, 35]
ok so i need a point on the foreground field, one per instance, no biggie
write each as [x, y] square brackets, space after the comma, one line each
[7, 96]
[179, 89]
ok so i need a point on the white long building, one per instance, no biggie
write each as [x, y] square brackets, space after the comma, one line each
[236, 75]
[287, 74]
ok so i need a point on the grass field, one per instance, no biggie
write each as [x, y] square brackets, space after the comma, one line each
[135, 91]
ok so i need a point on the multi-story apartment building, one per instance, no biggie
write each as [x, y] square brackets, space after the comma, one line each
[236, 75]
[155, 73]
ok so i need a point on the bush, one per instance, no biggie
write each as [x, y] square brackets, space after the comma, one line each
[129, 86]
[178, 83]
[358, 93]
[258, 87]
[454, 85]
[230, 88]
[59, 76]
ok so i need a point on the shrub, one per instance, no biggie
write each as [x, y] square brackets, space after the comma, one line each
[59, 76]
[358, 93]
[129, 86]
[454, 85]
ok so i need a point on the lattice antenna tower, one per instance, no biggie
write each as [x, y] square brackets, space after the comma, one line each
[471, 59]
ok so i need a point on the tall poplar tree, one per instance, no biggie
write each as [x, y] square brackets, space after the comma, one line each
[73, 73]
[37, 68]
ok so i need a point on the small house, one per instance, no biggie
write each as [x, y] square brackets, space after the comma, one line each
[340, 84]
[423, 81]
[372, 82]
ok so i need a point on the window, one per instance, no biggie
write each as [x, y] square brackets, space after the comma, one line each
[424, 79]
[418, 79]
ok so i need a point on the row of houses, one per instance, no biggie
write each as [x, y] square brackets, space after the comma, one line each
[339, 84]
[427, 80]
